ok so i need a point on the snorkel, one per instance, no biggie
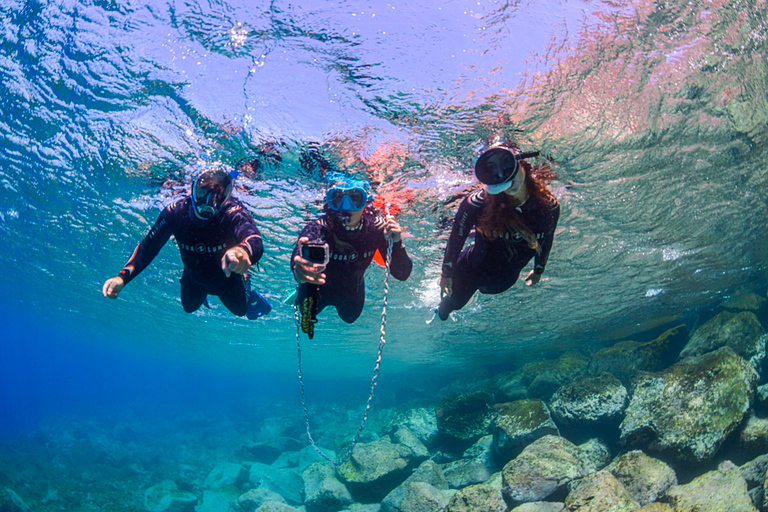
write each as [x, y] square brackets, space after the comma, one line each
[209, 191]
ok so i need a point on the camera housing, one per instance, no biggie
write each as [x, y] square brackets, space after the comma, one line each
[317, 253]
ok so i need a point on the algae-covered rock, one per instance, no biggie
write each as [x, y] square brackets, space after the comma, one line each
[422, 497]
[421, 421]
[543, 469]
[226, 474]
[624, 359]
[275, 506]
[655, 507]
[476, 465]
[645, 478]
[689, 409]
[540, 379]
[519, 423]
[600, 492]
[595, 454]
[478, 497]
[740, 331]
[255, 498]
[166, 497]
[540, 506]
[286, 482]
[589, 401]
[375, 468]
[466, 416]
[11, 502]
[723, 490]
[222, 498]
[428, 472]
[754, 436]
[322, 490]
[748, 301]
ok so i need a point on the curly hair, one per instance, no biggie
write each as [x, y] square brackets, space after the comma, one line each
[500, 213]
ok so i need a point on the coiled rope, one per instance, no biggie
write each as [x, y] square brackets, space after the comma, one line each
[374, 379]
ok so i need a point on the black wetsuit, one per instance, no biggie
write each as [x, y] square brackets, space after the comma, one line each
[202, 244]
[493, 265]
[351, 252]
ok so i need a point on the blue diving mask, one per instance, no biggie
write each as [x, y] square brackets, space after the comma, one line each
[348, 196]
[210, 190]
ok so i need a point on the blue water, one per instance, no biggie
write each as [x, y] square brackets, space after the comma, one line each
[655, 115]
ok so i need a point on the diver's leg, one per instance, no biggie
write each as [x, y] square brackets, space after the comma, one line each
[234, 294]
[192, 294]
[350, 302]
[465, 284]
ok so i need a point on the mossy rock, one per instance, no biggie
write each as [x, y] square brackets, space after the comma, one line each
[689, 409]
[540, 379]
[518, 424]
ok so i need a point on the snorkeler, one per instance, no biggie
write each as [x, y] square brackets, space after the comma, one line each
[218, 241]
[334, 250]
[514, 216]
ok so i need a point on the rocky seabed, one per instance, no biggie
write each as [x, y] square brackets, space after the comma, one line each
[671, 424]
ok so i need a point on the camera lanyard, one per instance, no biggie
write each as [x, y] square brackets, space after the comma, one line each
[374, 379]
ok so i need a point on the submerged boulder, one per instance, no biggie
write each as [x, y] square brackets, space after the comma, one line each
[375, 468]
[600, 492]
[11, 502]
[478, 497]
[166, 497]
[543, 469]
[226, 474]
[428, 472]
[466, 416]
[323, 491]
[689, 409]
[647, 479]
[723, 490]
[589, 401]
[754, 436]
[422, 422]
[255, 498]
[476, 465]
[740, 331]
[518, 424]
[539, 379]
[624, 359]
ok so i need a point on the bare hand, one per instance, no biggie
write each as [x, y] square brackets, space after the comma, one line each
[235, 260]
[392, 229]
[305, 271]
[446, 286]
[532, 278]
[112, 287]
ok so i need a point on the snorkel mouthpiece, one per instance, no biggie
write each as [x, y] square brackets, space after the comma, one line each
[210, 190]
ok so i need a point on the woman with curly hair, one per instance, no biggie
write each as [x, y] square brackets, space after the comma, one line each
[514, 217]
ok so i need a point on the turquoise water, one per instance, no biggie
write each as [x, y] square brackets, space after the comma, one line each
[655, 114]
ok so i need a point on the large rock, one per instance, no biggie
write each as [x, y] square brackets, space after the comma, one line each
[600, 492]
[740, 331]
[518, 424]
[276, 506]
[543, 469]
[428, 472]
[723, 490]
[226, 474]
[595, 454]
[624, 359]
[466, 416]
[222, 498]
[268, 451]
[11, 502]
[647, 479]
[688, 410]
[323, 491]
[540, 379]
[422, 497]
[375, 468]
[422, 422]
[754, 474]
[476, 498]
[540, 506]
[589, 401]
[255, 498]
[286, 482]
[166, 497]
[476, 465]
[754, 436]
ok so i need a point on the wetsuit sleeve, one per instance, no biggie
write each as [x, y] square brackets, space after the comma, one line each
[248, 235]
[148, 248]
[540, 261]
[314, 231]
[463, 222]
[401, 265]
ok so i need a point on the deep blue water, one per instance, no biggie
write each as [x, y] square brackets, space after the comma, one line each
[654, 114]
